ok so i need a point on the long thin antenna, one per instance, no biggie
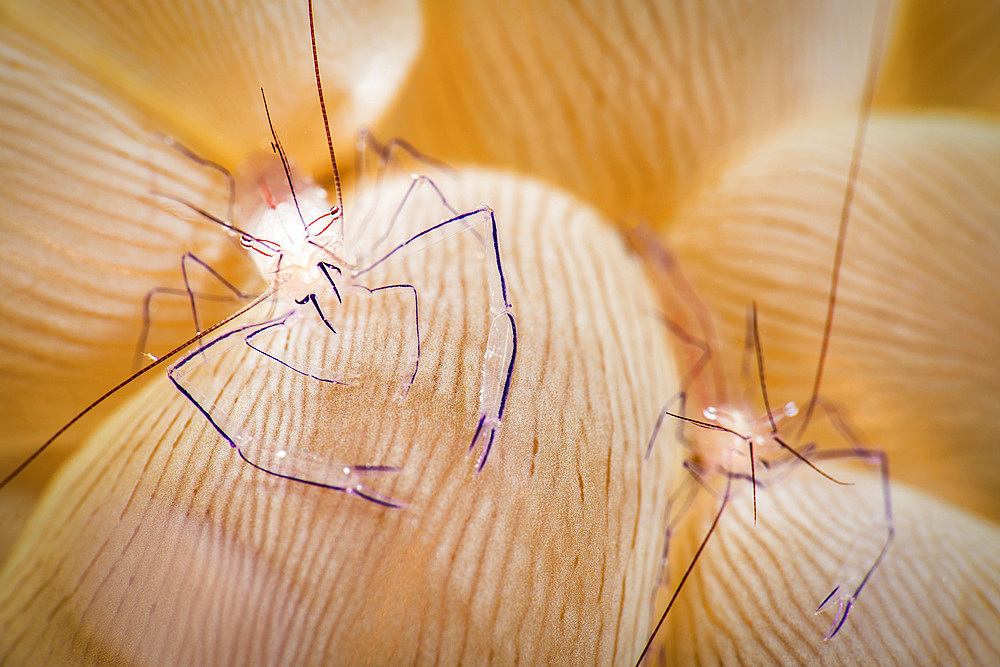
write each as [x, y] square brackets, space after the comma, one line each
[687, 572]
[326, 121]
[875, 57]
[276, 144]
[759, 352]
[131, 378]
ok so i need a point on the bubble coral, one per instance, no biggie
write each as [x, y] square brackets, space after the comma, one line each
[726, 126]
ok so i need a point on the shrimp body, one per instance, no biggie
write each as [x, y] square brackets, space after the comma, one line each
[742, 438]
[287, 253]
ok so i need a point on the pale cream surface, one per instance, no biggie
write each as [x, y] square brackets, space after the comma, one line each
[726, 126]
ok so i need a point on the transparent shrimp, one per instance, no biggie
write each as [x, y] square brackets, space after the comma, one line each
[729, 440]
[313, 262]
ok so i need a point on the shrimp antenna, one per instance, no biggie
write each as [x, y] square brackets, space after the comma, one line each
[276, 145]
[878, 37]
[131, 378]
[759, 352]
[326, 121]
[687, 572]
